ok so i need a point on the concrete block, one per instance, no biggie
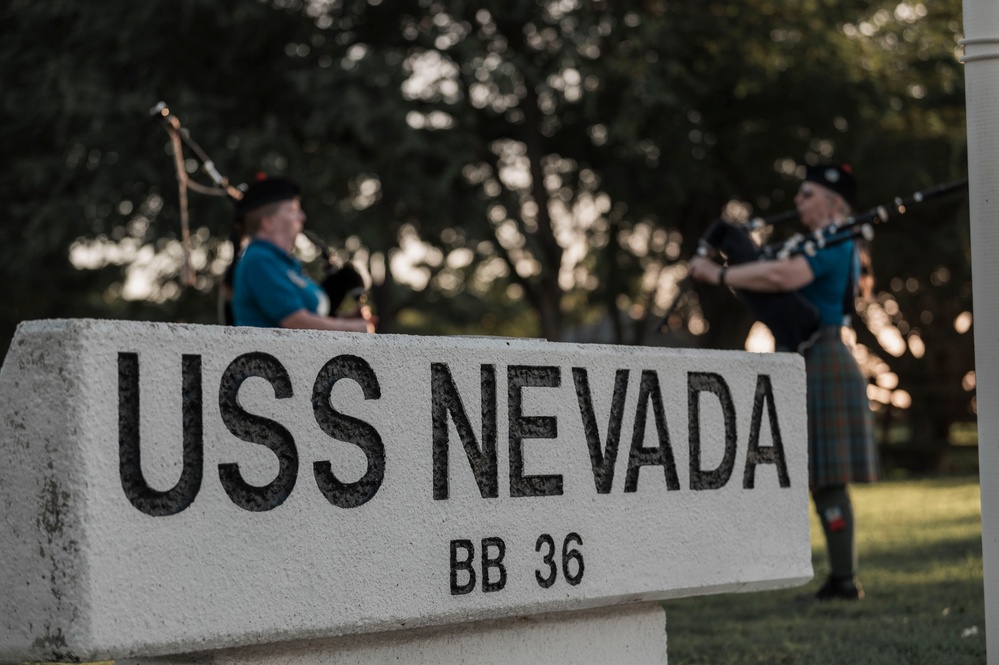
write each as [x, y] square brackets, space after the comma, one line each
[631, 634]
[173, 489]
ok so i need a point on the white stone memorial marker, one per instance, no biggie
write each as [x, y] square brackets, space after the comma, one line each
[180, 489]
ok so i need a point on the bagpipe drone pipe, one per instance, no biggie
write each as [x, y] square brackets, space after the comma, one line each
[338, 282]
[793, 320]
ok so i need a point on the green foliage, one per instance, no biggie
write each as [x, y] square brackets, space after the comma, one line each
[530, 168]
[921, 566]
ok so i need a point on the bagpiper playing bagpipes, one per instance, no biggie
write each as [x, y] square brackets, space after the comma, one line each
[266, 285]
[791, 318]
[804, 291]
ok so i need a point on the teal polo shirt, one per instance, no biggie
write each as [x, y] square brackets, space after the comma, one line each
[270, 284]
[832, 267]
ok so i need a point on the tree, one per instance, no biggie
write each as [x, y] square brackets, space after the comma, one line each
[527, 167]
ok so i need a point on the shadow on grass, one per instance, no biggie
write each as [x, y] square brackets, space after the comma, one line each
[919, 556]
[921, 565]
[936, 623]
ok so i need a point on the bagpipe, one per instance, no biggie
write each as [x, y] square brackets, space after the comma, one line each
[792, 320]
[338, 281]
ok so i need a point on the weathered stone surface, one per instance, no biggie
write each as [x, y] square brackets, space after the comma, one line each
[176, 488]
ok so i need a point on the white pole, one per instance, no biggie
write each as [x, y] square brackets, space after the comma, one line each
[981, 28]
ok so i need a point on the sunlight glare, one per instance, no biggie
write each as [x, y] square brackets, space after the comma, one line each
[969, 381]
[760, 339]
[879, 323]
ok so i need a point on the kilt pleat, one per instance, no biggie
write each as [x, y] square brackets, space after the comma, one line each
[840, 423]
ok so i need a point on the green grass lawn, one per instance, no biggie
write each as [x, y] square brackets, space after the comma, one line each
[920, 564]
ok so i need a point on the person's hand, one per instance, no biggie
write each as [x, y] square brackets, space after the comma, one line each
[363, 318]
[702, 269]
[369, 319]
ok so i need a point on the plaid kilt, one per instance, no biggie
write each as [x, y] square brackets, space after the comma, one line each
[841, 446]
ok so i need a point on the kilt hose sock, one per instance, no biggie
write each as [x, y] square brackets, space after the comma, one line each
[836, 515]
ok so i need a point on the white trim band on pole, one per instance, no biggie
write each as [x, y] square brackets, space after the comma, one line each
[979, 41]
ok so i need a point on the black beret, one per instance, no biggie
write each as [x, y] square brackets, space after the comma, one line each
[266, 190]
[837, 178]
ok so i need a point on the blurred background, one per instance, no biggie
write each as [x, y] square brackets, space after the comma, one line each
[535, 168]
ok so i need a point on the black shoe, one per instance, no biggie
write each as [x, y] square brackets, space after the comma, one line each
[840, 589]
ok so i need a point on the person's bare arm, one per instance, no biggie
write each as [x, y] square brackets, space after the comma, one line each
[304, 319]
[764, 276]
